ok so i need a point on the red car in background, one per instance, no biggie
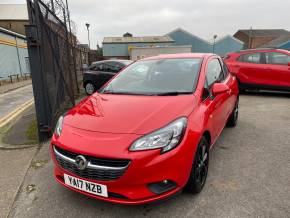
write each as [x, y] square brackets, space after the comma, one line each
[267, 69]
[147, 133]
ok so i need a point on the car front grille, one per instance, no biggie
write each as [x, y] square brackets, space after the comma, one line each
[97, 168]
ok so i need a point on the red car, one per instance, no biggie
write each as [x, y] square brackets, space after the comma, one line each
[147, 133]
[267, 69]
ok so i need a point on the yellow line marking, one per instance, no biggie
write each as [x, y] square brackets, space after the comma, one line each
[16, 112]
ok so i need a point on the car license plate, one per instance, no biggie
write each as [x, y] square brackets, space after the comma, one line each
[86, 186]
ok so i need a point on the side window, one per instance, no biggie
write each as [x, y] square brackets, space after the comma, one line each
[277, 58]
[250, 58]
[94, 67]
[214, 72]
[111, 66]
[226, 70]
[99, 67]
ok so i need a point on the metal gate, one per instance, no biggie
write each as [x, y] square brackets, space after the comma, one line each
[51, 48]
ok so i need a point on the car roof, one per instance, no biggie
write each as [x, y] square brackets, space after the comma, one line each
[183, 55]
[115, 60]
[260, 50]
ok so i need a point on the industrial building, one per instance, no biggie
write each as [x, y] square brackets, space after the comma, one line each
[120, 47]
[177, 41]
[13, 54]
[264, 38]
[14, 17]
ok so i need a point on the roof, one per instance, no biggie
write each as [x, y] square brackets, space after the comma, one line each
[209, 42]
[264, 32]
[13, 12]
[259, 50]
[145, 39]
[123, 61]
[12, 33]
[185, 55]
[186, 32]
[278, 41]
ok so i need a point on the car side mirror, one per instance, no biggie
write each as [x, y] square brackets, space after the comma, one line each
[219, 88]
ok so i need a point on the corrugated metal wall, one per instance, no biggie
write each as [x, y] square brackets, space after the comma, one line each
[226, 45]
[285, 45]
[122, 49]
[197, 45]
[139, 53]
[13, 54]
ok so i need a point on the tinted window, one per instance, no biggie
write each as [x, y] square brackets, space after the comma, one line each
[214, 72]
[277, 58]
[113, 67]
[95, 67]
[157, 77]
[250, 58]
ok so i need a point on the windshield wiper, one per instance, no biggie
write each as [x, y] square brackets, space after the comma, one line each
[172, 93]
[123, 93]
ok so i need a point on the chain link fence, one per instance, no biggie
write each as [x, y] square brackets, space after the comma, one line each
[56, 70]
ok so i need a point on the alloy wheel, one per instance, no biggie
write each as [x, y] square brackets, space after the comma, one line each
[90, 89]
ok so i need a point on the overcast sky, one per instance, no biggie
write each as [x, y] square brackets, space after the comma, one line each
[203, 18]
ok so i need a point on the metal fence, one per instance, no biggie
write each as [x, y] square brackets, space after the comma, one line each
[55, 70]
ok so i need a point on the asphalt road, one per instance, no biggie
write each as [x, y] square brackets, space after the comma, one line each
[249, 175]
[11, 100]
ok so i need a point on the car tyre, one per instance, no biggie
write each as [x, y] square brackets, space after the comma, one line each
[199, 168]
[233, 119]
[90, 88]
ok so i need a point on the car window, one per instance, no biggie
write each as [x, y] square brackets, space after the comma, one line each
[95, 67]
[225, 70]
[250, 58]
[159, 76]
[277, 58]
[214, 72]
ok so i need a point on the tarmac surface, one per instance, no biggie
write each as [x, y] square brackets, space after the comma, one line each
[249, 175]
[13, 99]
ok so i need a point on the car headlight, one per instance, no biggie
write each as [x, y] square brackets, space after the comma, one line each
[58, 127]
[165, 138]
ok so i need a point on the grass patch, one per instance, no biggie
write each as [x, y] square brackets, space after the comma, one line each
[32, 132]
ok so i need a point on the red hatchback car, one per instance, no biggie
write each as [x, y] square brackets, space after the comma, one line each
[147, 133]
[267, 69]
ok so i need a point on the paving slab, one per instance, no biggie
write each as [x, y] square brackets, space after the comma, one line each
[14, 165]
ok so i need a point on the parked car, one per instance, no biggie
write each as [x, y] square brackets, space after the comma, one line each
[267, 69]
[100, 72]
[147, 133]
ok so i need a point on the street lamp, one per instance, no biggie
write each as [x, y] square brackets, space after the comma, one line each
[214, 38]
[88, 25]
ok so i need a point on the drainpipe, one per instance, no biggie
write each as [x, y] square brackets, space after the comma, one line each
[19, 63]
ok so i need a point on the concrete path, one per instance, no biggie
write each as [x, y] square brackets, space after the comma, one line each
[12, 86]
[12, 100]
[14, 165]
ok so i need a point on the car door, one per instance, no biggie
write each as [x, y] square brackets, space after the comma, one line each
[252, 69]
[277, 64]
[217, 107]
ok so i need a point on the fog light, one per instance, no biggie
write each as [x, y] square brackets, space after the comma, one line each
[161, 187]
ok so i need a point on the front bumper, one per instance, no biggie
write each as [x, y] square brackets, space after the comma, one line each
[146, 167]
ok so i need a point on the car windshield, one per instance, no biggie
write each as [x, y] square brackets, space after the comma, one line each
[157, 77]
